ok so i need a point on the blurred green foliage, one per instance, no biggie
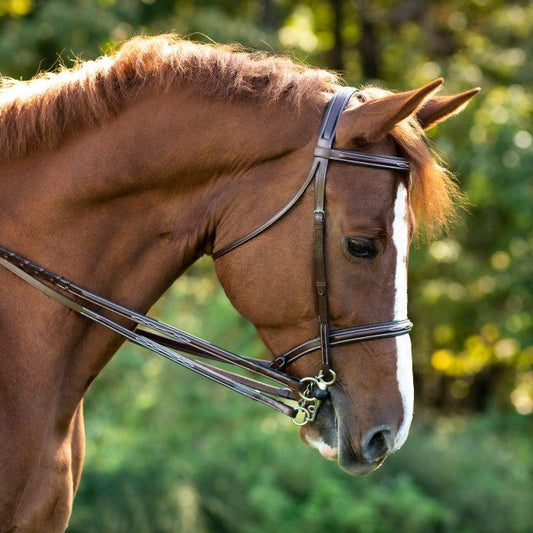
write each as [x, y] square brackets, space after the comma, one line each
[168, 452]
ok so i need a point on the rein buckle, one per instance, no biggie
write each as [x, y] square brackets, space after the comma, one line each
[310, 399]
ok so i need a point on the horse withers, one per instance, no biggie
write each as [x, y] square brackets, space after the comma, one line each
[120, 173]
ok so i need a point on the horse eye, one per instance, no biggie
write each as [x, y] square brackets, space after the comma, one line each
[361, 247]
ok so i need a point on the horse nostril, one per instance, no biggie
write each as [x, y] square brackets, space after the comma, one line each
[377, 444]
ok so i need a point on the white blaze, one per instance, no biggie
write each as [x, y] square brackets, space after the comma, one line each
[404, 371]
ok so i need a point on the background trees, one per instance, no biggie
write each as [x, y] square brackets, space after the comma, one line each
[169, 452]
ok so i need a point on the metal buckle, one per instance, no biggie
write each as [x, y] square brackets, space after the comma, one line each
[309, 404]
[309, 412]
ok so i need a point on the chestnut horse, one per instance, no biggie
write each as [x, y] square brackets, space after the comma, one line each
[120, 173]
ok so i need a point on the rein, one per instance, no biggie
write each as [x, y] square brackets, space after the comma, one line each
[167, 341]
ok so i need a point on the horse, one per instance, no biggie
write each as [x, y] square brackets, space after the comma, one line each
[120, 173]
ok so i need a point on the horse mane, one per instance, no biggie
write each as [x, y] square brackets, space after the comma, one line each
[38, 114]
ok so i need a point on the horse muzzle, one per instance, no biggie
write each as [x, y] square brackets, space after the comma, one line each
[333, 436]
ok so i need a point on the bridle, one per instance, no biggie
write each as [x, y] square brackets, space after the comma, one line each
[167, 341]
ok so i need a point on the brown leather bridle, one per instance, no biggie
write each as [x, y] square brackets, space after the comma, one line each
[167, 341]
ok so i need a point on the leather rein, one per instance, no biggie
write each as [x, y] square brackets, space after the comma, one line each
[306, 393]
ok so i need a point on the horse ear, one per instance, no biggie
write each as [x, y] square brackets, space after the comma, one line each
[372, 120]
[440, 108]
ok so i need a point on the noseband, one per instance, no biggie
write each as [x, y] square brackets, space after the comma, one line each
[167, 341]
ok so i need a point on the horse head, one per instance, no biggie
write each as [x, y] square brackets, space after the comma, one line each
[371, 219]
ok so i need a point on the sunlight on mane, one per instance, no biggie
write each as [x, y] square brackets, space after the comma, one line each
[39, 113]
[433, 193]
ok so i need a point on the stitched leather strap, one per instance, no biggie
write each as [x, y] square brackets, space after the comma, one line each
[325, 142]
[49, 283]
[368, 332]
[362, 159]
[271, 221]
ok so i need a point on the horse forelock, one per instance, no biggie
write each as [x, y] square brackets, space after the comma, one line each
[39, 113]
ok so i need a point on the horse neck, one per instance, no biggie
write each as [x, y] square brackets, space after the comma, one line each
[124, 209]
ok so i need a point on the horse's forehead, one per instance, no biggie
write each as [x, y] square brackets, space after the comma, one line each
[364, 193]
